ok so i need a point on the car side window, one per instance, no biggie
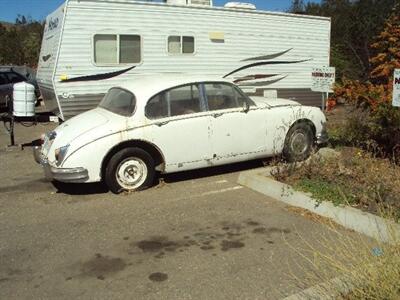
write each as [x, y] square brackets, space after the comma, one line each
[175, 102]
[184, 100]
[14, 78]
[223, 96]
[157, 107]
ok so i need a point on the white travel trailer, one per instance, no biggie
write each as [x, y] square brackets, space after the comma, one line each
[92, 45]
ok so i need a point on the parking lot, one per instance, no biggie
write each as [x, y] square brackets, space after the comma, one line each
[194, 235]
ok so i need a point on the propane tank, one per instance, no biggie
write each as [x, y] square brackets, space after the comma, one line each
[24, 100]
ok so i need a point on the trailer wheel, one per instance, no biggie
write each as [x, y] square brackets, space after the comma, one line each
[298, 143]
[130, 169]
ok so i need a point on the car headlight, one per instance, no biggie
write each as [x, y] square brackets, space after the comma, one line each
[51, 135]
[60, 154]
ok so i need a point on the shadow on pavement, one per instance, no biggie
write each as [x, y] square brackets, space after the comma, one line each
[33, 143]
[100, 188]
[212, 171]
[80, 188]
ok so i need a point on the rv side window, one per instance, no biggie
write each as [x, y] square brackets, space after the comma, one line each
[180, 44]
[129, 49]
[187, 44]
[117, 49]
[105, 49]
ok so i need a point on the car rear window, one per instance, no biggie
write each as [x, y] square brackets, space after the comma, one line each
[119, 101]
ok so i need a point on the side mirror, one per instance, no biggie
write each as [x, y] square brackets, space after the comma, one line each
[246, 107]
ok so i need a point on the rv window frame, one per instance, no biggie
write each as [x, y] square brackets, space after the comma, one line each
[118, 50]
[181, 40]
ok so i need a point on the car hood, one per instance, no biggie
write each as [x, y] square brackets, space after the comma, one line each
[276, 102]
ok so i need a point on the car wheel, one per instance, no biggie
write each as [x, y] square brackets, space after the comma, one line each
[130, 169]
[298, 143]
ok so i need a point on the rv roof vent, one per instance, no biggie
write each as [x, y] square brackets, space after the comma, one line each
[190, 2]
[240, 5]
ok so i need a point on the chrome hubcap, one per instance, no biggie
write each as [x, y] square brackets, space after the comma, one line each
[299, 143]
[131, 173]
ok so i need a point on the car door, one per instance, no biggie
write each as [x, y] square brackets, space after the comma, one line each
[180, 127]
[237, 133]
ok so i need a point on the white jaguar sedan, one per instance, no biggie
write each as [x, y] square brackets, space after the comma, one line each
[171, 124]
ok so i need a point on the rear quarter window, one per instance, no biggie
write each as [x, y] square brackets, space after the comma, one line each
[119, 101]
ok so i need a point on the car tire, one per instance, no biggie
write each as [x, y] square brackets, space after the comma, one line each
[130, 169]
[299, 142]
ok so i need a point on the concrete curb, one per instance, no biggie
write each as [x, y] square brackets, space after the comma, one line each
[328, 290]
[368, 224]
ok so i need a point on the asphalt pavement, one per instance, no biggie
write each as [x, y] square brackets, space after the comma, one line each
[194, 235]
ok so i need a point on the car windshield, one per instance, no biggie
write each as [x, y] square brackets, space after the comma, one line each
[119, 101]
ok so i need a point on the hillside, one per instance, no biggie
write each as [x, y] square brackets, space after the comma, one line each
[7, 24]
[20, 42]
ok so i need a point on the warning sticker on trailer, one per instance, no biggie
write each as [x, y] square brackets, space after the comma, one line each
[396, 88]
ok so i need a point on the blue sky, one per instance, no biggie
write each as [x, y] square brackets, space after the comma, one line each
[39, 9]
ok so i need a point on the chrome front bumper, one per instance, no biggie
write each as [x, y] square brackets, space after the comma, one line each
[73, 175]
[322, 138]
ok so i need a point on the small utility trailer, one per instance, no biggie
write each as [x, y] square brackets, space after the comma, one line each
[92, 45]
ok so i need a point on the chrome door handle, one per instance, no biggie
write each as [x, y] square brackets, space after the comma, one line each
[162, 123]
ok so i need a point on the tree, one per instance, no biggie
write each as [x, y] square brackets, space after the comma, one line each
[387, 50]
[20, 42]
[382, 122]
[297, 7]
[21, 20]
[354, 25]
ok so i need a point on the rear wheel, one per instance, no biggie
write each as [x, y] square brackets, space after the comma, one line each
[130, 169]
[298, 143]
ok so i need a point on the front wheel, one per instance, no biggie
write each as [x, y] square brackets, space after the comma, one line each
[298, 143]
[130, 169]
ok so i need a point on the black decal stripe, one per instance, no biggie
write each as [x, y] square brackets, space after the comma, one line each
[263, 63]
[98, 76]
[262, 83]
[46, 58]
[254, 77]
[267, 57]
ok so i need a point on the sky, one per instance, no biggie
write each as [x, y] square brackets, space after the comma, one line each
[39, 9]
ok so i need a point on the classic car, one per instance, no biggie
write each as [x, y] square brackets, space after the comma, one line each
[172, 123]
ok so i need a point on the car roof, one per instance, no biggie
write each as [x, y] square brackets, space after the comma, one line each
[149, 85]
